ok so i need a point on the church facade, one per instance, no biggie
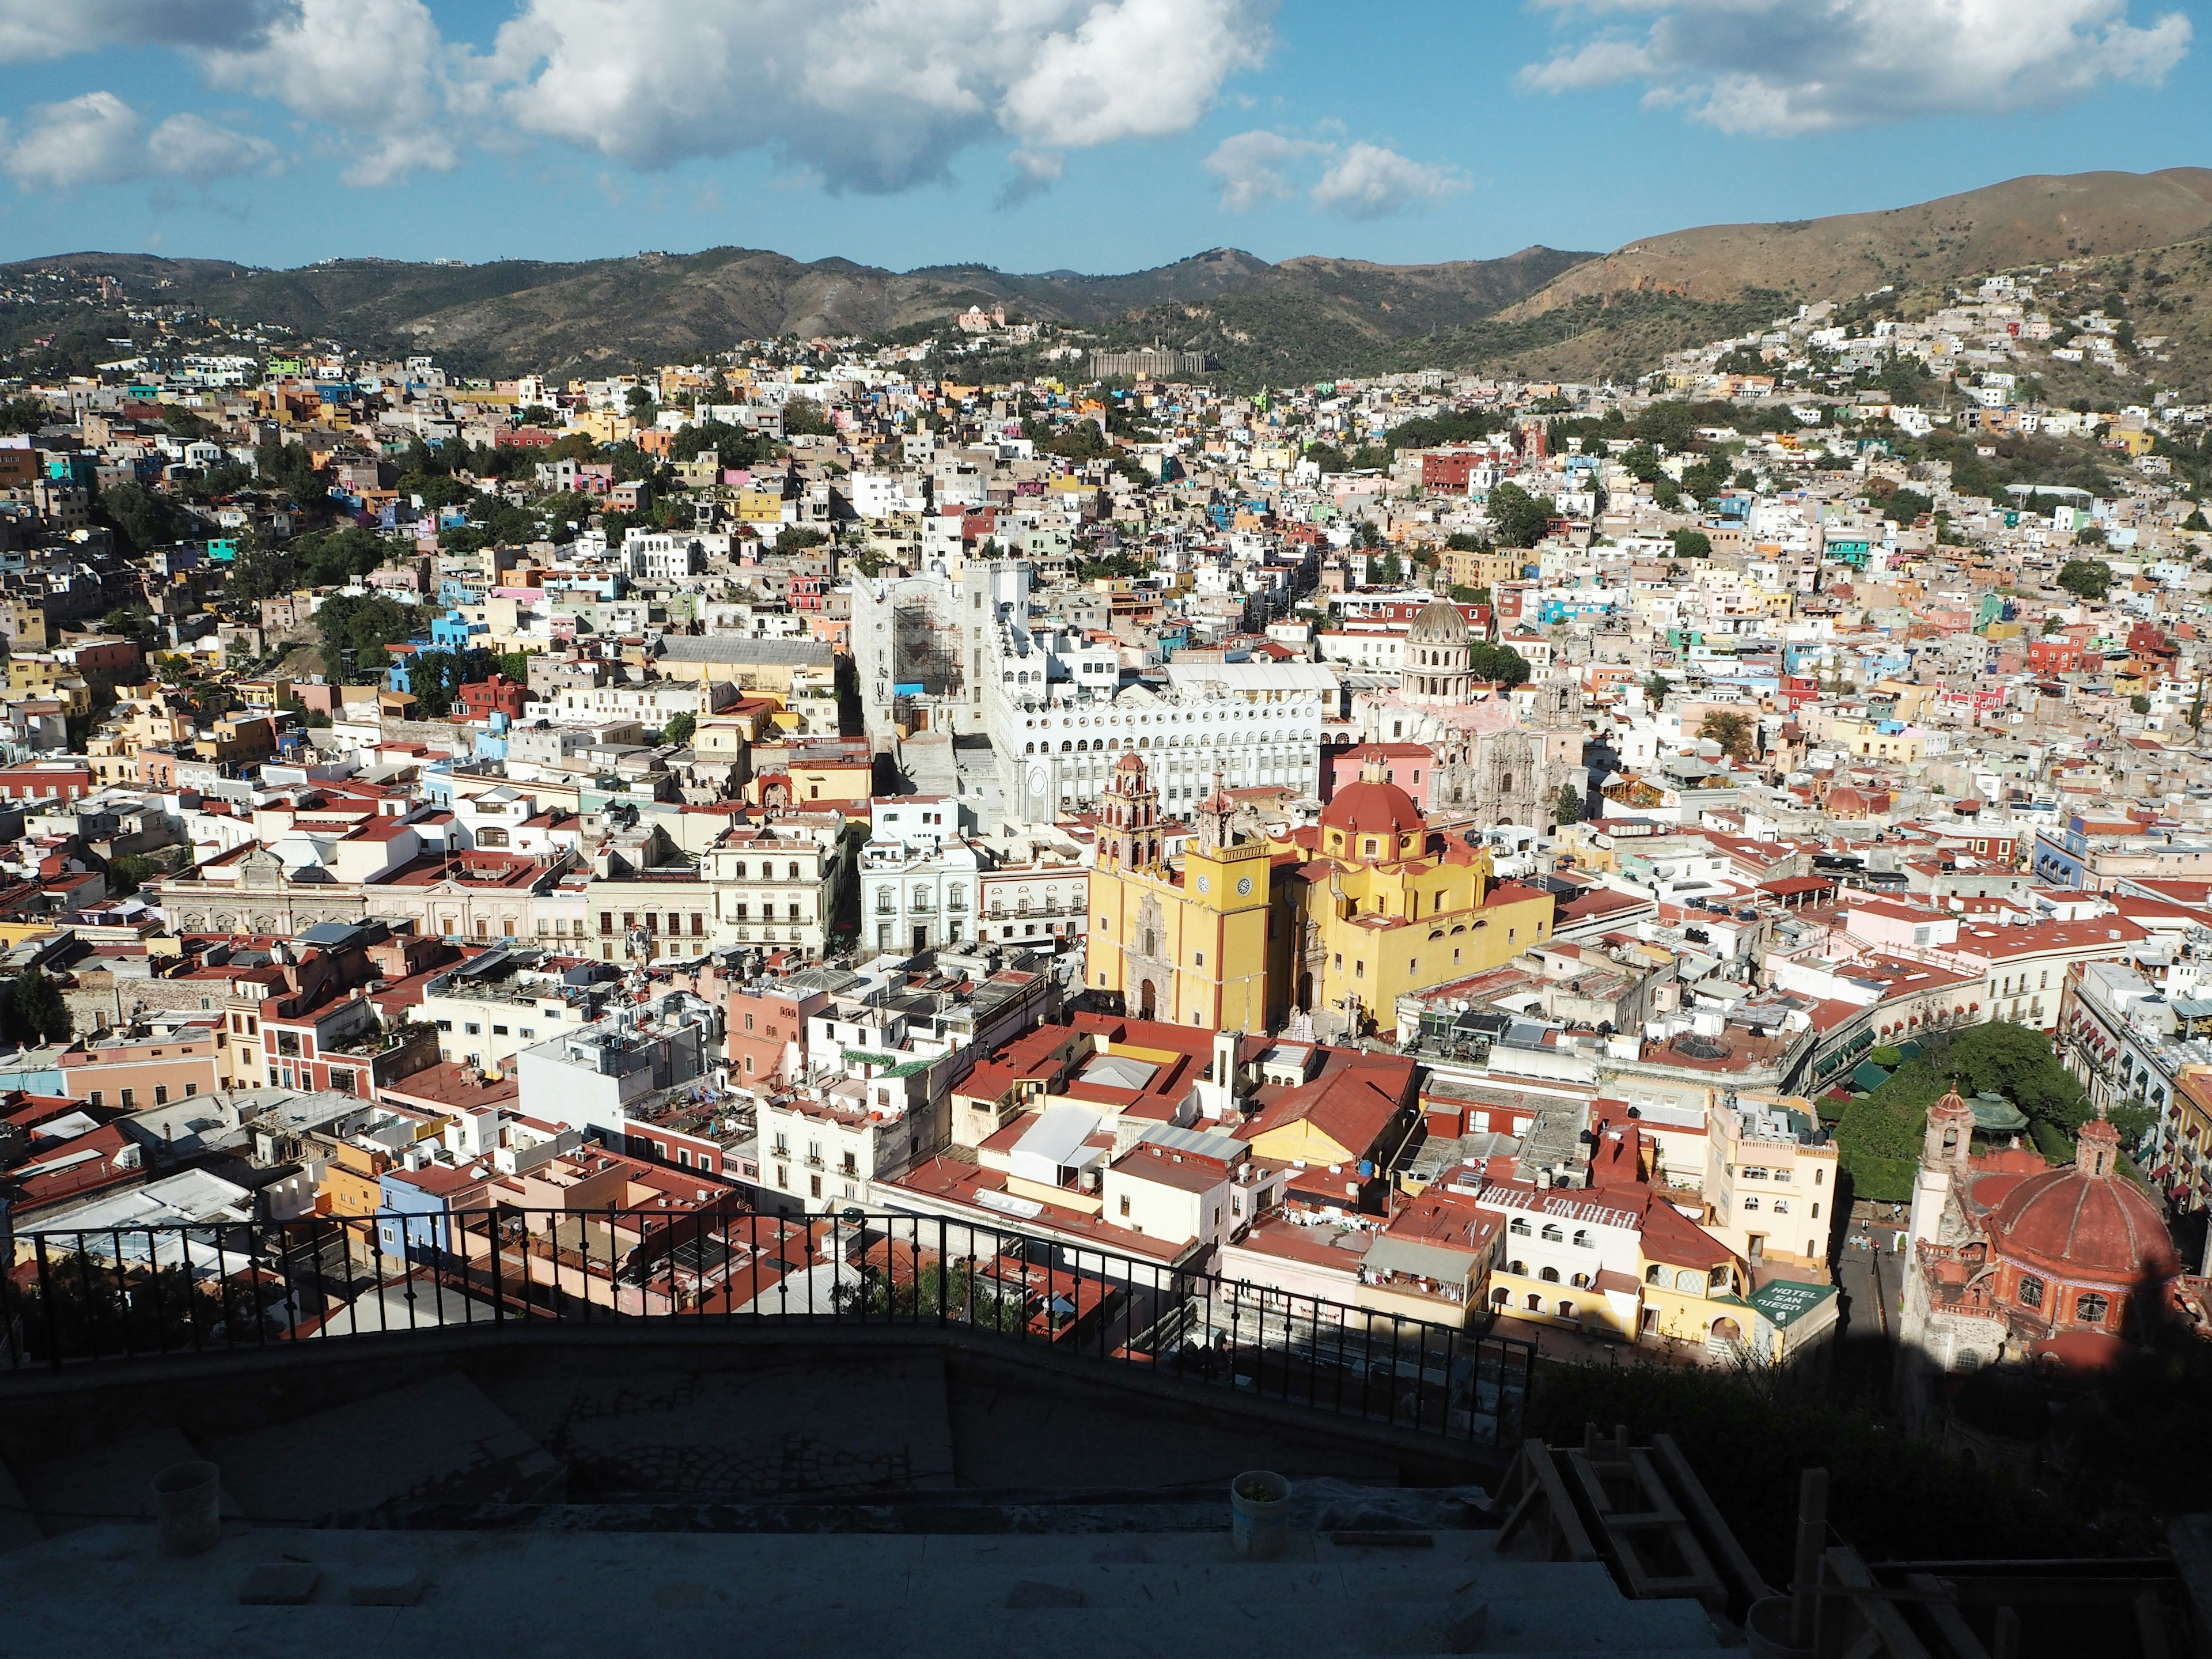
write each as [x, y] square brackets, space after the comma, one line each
[1188, 945]
[2012, 1258]
[1490, 764]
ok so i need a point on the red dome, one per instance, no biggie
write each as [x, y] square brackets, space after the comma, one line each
[1130, 762]
[2073, 1223]
[1367, 808]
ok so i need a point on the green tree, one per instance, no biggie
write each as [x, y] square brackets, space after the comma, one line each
[1389, 572]
[797, 537]
[1693, 545]
[1906, 507]
[18, 416]
[1518, 518]
[335, 558]
[125, 874]
[515, 664]
[262, 573]
[1500, 664]
[356, 631]
[679, 728]
[2087, 579]
[141, 517]
[2196, 520]
[1705, 479]
[289, 468]
[2196, 708]
[1655, 690]
[1672, 424]
[803, 418]
[2139, 703]
[1568, 807]
[1731, 730]
[33, 1011]
[181, 423]
[435, 677]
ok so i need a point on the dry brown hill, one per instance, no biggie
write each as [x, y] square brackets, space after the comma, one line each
[2041, 218]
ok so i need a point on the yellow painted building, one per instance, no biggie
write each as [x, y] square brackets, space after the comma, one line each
[1381, 906]
[1186, 945]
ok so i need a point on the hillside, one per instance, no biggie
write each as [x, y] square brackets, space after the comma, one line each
[606, 314]
[2029, 221]
[1539, 313]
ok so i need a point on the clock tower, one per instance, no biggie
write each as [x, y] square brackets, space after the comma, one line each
[1190, 944]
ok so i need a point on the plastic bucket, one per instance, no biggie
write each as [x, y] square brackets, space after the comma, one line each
[1260, 1515]
[188, 1505]
[1766, 1629]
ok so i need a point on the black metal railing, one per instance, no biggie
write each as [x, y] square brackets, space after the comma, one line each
[87, 1297]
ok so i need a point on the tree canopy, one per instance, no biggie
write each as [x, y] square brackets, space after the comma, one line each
[1518, 518]
[355, 632]
[1498, 662]
[2087, 579]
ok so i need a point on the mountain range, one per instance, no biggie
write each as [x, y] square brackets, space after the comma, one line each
[1540, 311]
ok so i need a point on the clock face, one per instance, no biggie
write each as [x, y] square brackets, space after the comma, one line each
[1205, 885]
[1244, 886]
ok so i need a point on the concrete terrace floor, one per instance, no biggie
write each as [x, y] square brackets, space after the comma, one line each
[107, 1589]
[418, 1419]
[627, 1494]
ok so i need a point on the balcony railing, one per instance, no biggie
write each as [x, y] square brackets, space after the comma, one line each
[109, 1296]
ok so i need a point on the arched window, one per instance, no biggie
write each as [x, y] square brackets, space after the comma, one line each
[2031, 1290]
[1552, 1233]
[1519, 1226]
[1582, 1238]
[1567, 1311]
[1654, 1274]
[1535, 1304]
[2090, 1308]
[1581, 1282]
[1550, 1275]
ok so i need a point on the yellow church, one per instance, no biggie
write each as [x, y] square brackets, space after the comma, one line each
[1186, 945]
[1379, 905]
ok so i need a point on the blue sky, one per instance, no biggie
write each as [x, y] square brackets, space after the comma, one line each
[1096, 135]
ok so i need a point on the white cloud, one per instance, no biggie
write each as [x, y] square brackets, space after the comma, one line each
[98, 139]
[865, 95]
[193, 147]
[1371, 182]
[1363, 180]
[1783, 67]
[95, 139]
[34, 31]
[378, 71]
[1250, 167]
[1036, 171]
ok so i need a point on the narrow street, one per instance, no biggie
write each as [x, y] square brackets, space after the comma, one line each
[1870, 1276]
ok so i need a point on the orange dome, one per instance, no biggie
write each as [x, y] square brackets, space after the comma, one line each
[1130, 762]
[1370, 808]
[2086, 1220]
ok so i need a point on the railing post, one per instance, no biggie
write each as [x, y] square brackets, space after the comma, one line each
[47, 1305]
[84, 1281]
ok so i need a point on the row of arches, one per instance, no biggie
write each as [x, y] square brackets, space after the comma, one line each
[1173, 740]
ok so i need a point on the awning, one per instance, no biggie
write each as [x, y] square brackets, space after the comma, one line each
[1420, 1261]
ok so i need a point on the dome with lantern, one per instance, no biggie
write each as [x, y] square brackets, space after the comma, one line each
[1372, 819]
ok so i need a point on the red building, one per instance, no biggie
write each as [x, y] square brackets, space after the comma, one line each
[1449, 470]
[45, 781]
[480, 700]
